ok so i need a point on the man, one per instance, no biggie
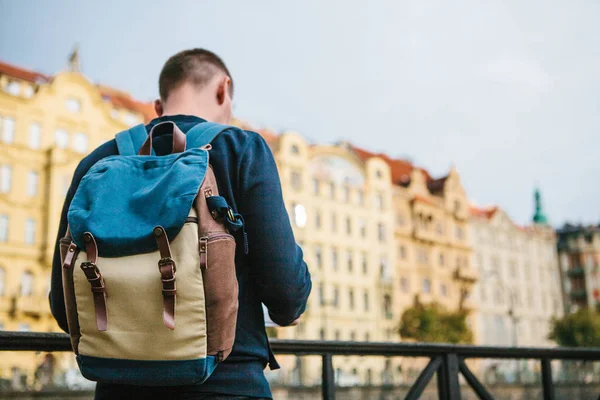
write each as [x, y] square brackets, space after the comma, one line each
[195, 86]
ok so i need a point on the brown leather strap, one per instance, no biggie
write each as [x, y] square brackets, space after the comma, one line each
[167, 269]
[71, 255]
[179, 138]
[94, 277]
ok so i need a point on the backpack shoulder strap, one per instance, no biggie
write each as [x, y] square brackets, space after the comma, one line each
[204, 133]
[130, 141]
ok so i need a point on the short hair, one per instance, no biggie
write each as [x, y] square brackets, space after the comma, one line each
[197, 66]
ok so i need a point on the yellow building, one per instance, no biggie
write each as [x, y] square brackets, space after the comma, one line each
[47, 124]
[377, 234]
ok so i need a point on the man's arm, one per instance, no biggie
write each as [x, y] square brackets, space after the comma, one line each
[56, 296]
[276, 261]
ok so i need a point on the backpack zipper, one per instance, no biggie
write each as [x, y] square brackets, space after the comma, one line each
[203, 245]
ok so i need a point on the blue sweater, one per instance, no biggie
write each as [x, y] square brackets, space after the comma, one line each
[273, 272]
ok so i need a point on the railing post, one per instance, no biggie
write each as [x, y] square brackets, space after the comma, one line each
[328, 385]
[547, 384]
[448, 387]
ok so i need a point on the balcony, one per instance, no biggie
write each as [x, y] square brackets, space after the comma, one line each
[465, 274]
[446, 361]
[576, 272]
[578, 294]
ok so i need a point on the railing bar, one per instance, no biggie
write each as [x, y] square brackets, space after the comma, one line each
[472, 380]
[547, 384]
[448, 386]
[328, 384]
[41, 341]
[423, 379]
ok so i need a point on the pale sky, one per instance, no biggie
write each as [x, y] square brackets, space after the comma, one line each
[508, 91]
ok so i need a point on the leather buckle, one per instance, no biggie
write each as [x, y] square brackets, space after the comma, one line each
[163, 262]
[88, 265]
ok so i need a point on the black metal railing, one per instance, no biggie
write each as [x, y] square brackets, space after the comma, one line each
[447, 360]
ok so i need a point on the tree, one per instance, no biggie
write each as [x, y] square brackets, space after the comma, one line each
[433, 323]
[581, 328]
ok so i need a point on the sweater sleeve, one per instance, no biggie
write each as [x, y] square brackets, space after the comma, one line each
[276, 261]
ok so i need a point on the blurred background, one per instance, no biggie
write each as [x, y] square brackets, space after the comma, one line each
[438, 160]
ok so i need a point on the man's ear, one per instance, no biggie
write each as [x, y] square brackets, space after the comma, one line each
[158, 107]
[223, 90]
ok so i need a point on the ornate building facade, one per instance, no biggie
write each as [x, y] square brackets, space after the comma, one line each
[579, 257]
[47, 124]
[518, 292]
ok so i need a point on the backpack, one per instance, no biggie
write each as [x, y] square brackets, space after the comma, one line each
[148, 273]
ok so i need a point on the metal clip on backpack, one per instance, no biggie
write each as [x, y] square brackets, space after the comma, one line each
[148, 263]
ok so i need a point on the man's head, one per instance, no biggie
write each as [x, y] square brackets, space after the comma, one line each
[195, 82]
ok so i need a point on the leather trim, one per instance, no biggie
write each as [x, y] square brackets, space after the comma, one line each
[179, 138]
[167, 269]
[94, 277]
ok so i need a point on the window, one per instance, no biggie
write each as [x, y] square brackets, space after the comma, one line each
[353, 338]
[442, 259]
[13, 87]
[366, 300]
[294, 149]
[367, 338]
[296, 180]
[348, 226]
[61, 138]
[334, 259]
[513, 269]
[346, 194]
[318, 220]
[4, 228]
[8, 132]
[381, 231]
[333, 222]
[402, 252]
[379, 201]
[319, 257]
[2, 279]
[5, 178]
[426, 285]
[316, 186]
[322, 334]
[439, 228]
[363, 227]
[422, 256]
[387, 306]
[130, 119]
[32, 183]
[361, 197]
[300, 216]
[364, 263]
[332, 190]
[400, 220]
[444, 290]
[351, 299]
[498, 296]
[35, 136]
[28, 91]
[73, 105]
[384, 268]
[337, 337]
[336, 296]
[349, 260]
[29, 231]
[321, 295]
[26, 284]
[456, 206]
[404, 285]
[460, 234]
[80, 143]
[378, 173]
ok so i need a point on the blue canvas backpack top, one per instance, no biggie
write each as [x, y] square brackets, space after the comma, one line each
[148, 262]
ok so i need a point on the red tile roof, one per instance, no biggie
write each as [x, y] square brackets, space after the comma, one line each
[22, 73]
[483, 212]
[401, 169]
[116, 97]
